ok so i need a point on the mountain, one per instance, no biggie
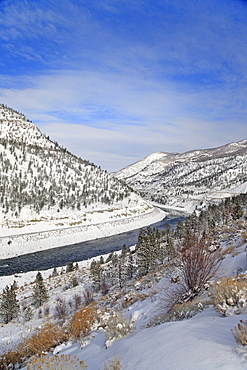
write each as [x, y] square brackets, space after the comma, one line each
[188, 180]
[44, 187]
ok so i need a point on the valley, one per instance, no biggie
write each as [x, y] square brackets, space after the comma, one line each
[158, 247]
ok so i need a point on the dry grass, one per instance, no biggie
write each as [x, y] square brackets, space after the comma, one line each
[229, 250]
[42, 340]
[117, 327]
[240, 332]
[113, 364]
[229, 294]
[81, 322]
[55, 362]
[45, 338]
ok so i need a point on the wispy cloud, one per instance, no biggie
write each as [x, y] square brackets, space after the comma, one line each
[116, 80]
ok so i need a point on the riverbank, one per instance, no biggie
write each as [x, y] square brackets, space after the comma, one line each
[20, 244]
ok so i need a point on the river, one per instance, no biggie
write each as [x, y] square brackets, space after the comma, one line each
[60, 256]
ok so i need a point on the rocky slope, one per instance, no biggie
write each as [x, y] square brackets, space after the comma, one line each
[188, 180]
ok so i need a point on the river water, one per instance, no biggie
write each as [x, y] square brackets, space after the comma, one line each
[60, 256]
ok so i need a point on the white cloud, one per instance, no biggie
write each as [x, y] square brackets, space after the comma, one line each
[119, 118]
[171, 79]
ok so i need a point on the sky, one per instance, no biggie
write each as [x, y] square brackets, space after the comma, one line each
[116, 80]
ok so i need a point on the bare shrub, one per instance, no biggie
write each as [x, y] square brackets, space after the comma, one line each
[77, 301]
[81, 322]
[27, 312]
[198, 266]
[74, 282]
[240, 332]
[229, 295]
[88, 294]
[62, 362]
[46, 311]
[60, 310]
[104, 287]
[117, 327]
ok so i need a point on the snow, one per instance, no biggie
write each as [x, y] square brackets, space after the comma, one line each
[202, 342]
[190, 179]
[28, 242]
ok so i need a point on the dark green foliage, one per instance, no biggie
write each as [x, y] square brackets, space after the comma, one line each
[96, 273]
[70, 267]
[54, 272]
[40, 295]
[148, 250]
[9, 307]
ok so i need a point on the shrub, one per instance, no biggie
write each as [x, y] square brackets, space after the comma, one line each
[178, 312]
[76, 301]
[113, 364]
[88, 295]
[45, 338]
[42, 340]
[240, 333]
[81, 322]
[117, 327]
[13, 357]
[198, 266]
[229, 295]
[184, 311]
[55, 362]
[60, 310]
[73, 282]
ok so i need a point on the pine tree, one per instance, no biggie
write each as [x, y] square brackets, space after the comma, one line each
[40, 295]
[54, 272]
[148, 250]
[70, 267]
[9, 307]
[96, 273]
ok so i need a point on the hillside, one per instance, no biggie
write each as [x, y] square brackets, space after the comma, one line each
[191, 179]
[101, 315]
[44, 187]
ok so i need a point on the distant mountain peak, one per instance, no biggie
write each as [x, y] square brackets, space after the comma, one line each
[191, 178]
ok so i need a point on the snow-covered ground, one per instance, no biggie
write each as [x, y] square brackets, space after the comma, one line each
[96, 224]
[203, 342]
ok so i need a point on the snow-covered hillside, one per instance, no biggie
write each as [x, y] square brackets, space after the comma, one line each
[192, 179]
[44, 187]
[197, 336]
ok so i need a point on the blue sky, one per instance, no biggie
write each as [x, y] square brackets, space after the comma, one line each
[114, 81]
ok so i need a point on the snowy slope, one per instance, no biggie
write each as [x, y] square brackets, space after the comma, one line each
[203, 342]
[190, 179]
[43, 187]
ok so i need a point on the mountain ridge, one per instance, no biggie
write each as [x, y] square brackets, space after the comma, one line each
[45, 187]
[191, 178]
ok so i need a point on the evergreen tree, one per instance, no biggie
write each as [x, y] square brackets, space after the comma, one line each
[130, 267]
[70, 267]
[54, 272]
[148, 250]
[9, 307]
[96, 273]
[40, 295]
